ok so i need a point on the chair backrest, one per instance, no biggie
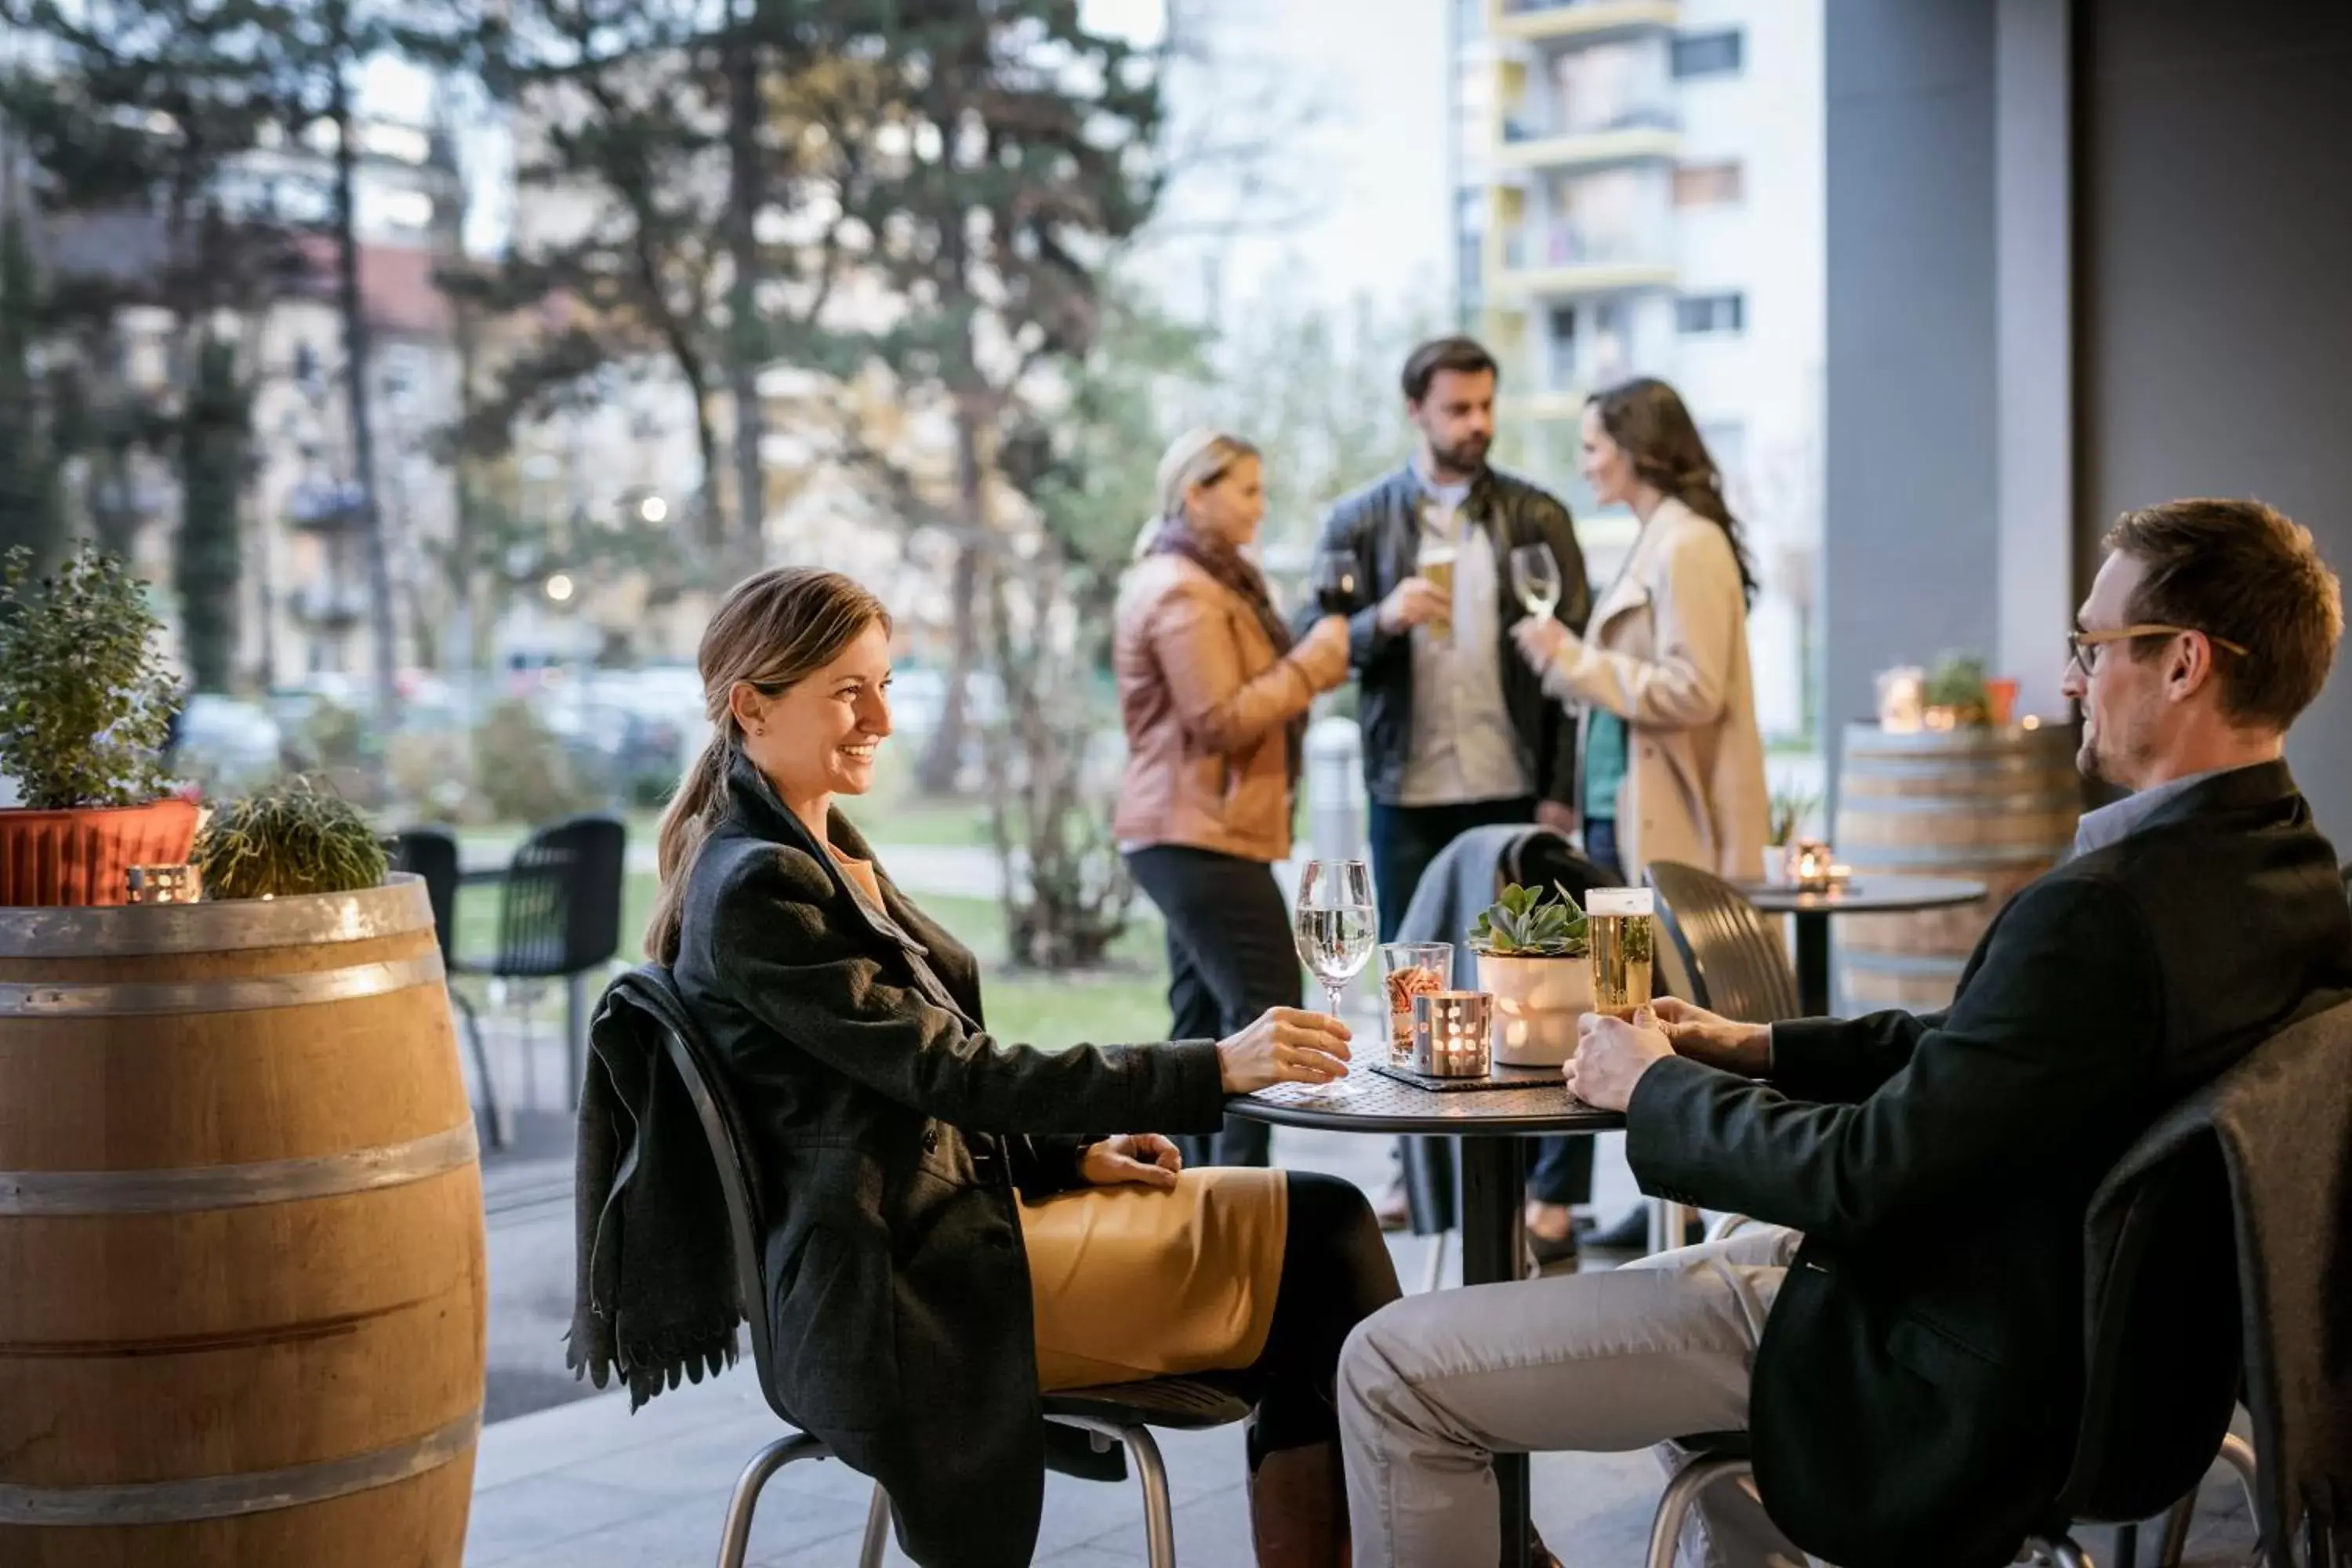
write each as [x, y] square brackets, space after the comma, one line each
[432, 855]
[1735, 963]
[561, 909]
[2283, 1118]
[727, 1141]
[2163, 1356]
[1543, 856]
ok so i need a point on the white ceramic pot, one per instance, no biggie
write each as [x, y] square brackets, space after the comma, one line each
[1538, 1001]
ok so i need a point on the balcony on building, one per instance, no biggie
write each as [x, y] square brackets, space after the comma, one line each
[1578, 21]
[1592, 105]
[1564, 258]
[329, 605]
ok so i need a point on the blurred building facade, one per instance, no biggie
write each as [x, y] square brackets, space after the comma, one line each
[1638, 190]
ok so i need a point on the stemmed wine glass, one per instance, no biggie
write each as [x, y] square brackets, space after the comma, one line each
[1534, 578]
[1334, 925]
[1335, 581]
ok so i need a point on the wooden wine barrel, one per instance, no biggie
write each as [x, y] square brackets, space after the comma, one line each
[241, 1237]
[1990, 805]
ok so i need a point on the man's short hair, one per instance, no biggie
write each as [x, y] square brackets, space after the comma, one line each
[2243, 573]
[1465, 356]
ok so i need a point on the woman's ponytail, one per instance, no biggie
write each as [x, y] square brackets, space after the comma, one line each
[686, 822]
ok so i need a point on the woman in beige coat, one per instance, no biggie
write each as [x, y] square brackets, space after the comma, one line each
[1214, 697]
[1670, 761]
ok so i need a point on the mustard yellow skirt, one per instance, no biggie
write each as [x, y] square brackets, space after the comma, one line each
[1130, 1283]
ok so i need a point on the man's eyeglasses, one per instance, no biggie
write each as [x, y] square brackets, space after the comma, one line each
[2083, 647]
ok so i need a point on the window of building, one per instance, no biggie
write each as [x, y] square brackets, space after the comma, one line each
[1695, 313]
[1709, 54]
[1708, 184]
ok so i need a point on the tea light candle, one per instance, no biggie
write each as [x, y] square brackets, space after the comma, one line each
[1452, 1033]
[164, 883]
[1808, 863]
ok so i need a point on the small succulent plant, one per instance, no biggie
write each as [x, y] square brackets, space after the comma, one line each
[1525, 922]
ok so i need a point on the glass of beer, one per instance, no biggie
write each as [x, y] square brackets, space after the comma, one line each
[1436, 565]
[1619, 929]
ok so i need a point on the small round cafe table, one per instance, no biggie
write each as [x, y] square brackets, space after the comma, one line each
[1866, 895]
[1489, 1122]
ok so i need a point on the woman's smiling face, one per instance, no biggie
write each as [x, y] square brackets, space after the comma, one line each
[819, 737]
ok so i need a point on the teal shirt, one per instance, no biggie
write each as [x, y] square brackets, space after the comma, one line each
[1604, 765]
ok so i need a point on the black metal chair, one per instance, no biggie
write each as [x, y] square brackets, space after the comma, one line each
[1733, 960]
[431, 854]
[1122, 1415]
[2163, 1368]
[558, 918]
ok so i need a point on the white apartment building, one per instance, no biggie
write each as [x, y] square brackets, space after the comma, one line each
[1639, 192]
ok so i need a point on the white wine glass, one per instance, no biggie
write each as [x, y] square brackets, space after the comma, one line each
[1534, 578]
[1333, 925]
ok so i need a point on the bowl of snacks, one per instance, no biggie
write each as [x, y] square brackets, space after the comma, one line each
[1411, 969]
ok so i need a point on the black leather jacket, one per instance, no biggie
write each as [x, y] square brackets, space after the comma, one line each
[1382, 525]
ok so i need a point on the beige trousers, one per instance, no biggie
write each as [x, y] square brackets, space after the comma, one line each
[1430, 1387]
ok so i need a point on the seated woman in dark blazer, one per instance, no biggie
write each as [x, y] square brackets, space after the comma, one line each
[945, 1237]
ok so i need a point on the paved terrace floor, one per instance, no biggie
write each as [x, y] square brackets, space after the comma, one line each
[587, 1485]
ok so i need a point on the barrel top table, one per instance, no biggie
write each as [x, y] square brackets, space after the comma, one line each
[1871, 895]
[241, 1220]
[1491, 1122]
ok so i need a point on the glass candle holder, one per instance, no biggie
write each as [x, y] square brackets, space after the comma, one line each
[1809, 864]
[1409, 969]
[1453, 1033]
[163, 884]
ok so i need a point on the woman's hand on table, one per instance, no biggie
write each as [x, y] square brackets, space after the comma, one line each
[1718, 1042]
[1131, 1159]
[1612, 1055]
[1285, 1045]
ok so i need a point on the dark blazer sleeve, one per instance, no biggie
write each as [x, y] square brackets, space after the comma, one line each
[2063, 1014]
[1840, 1060]
[780, 958]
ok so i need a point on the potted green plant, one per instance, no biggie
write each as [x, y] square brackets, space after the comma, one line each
[86, 706]
[290, 839]
[1956, 694]
[1534, 960]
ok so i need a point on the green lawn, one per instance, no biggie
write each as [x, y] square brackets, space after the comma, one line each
[1124, 1002]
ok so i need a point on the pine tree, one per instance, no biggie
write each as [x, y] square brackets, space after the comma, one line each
[1012, 151]
[214, 427]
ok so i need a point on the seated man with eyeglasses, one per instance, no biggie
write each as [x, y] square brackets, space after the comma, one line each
[1904, 1339]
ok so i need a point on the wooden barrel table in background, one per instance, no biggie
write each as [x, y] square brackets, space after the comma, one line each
[1991, 806]
[241, 1237]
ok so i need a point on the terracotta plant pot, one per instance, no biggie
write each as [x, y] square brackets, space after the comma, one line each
[79, 857]
[1538, 1001]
